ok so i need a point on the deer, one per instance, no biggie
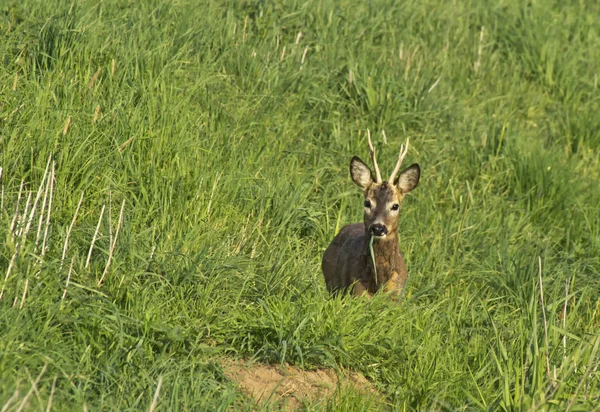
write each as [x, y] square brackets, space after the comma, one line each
[348, 264]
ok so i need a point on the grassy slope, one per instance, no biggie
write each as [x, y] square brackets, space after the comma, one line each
[231, 156]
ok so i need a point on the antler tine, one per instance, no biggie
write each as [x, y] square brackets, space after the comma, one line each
[372, 149]
[403, 151]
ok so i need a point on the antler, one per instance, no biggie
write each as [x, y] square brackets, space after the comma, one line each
[372, 149]
[403, 151]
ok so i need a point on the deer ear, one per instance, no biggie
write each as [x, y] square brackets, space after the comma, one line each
[360, 173]
[408, 179]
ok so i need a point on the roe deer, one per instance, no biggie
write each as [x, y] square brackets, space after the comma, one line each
[347, 262]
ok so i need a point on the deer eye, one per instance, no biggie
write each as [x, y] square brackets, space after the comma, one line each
[395, 206]
[368, 204]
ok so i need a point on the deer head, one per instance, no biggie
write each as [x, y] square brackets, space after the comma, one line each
[383, 199]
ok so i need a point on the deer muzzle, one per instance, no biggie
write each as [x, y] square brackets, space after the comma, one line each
[379, 230]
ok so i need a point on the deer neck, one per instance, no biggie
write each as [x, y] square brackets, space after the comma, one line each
[385, 254]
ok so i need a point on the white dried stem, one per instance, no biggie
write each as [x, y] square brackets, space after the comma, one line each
[21, 219]
[66, 245]
[64, 295]
[403, 152]
[10, 266]
[434, 85]
[33, 388]
[156, 394]
[49, 406]
[479, 50]
[212, 192]
[113, 244]
[89, 256]
[24, 293]
[374, 157]
[304, 55]
[544, 317]
[564, 320]
[13, 398]
[41, 220]
[37, 199]
[282, 54]
[110, 233]
[49, 209]
[14, 219]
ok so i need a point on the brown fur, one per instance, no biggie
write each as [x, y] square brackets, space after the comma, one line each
[347, 262]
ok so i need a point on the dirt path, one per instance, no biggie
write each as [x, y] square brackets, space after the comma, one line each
[288, 387]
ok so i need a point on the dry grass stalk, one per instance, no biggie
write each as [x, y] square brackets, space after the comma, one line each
[41, 220]
[96, 113]
[433, 86]
[479, 50]
[544, 317]
[156, 394]
[298, 37]
[564, 320]
[49, 406]
[66, 245]
[17, 221]
[113, 68]
[21, 218]
[37, 198]
[14, 219]
[89, 256]
[94, 77]
[113, 244]
[33, 388]
[124, 145]
[282, 54]
[10, 266]
[13, 398]
[304, 55]
[110, 233]
[51, 182]
[24, 294]
[67, 125]
[212, 192]
[15, 82]
[15, 111]
[64, 295]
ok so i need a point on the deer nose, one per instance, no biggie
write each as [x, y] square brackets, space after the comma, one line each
[378, 230]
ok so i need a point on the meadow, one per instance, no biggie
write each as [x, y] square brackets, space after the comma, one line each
[172, 171]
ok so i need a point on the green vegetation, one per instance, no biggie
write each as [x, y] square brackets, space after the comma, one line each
[227, 135]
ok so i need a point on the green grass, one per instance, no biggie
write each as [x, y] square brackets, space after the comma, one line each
[231, 155]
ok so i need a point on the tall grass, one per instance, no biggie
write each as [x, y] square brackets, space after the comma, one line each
[209, 144]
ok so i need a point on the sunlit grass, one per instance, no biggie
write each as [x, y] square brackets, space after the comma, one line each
[226, 131]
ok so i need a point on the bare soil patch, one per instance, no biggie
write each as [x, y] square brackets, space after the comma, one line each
[287, 387]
